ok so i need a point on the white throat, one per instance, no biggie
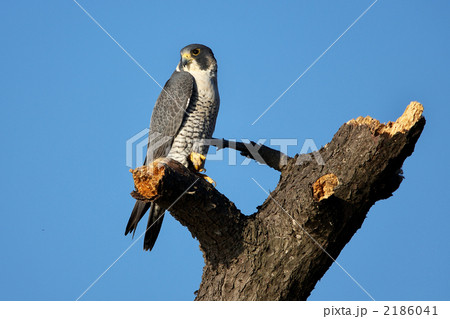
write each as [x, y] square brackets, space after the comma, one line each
[206, 80]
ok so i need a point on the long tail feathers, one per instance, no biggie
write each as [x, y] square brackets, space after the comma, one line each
[155, 219]
[139, 210]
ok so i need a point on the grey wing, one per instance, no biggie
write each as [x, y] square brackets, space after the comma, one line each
[168, 113]
[167, 117]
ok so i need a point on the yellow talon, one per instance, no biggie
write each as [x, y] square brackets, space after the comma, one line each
[209, 179]
[198, 161]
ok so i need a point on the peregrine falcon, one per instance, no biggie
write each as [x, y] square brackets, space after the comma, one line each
[185, 112]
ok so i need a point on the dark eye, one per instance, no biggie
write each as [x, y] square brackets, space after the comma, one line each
[195, 52]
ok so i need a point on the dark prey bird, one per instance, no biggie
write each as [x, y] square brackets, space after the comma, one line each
[185, 112]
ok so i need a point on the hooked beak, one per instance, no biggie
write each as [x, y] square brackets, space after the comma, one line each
[185, 59]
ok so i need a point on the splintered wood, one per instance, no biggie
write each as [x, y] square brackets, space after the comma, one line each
[403, 124]
[324, 186]
[146, 179]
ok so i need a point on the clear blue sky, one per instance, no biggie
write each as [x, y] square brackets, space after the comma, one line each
[70, 98]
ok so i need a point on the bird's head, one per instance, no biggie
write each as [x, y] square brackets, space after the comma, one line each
[197, 57]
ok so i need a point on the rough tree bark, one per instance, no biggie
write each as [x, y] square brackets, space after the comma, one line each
[281, 251]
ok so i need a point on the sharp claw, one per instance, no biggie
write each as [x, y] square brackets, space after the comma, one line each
[197, 160]
[209, 180]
